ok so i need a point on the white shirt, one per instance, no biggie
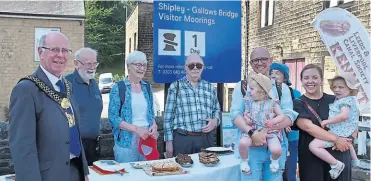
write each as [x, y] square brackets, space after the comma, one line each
[139, 109]
[53, 79]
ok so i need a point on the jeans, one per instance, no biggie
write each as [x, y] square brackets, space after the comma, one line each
[259, 161]
[292, 160]
[124, 155]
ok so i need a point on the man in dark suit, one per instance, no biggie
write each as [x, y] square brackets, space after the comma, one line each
[43, 124]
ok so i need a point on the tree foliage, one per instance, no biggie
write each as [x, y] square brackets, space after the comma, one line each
[105, 28]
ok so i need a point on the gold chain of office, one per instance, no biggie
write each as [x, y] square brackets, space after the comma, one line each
[50, 92]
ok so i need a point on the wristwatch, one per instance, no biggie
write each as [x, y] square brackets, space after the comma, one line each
[251, 131]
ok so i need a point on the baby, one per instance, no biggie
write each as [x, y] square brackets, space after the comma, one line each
[261, 111]
[342, 121]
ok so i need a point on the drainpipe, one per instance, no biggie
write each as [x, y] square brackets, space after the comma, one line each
[247, 40]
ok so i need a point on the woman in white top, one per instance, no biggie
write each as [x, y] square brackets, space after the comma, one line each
[131, 110]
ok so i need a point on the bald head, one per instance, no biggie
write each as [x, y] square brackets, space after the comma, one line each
[51, 36]
[259, 53]
[260, 61]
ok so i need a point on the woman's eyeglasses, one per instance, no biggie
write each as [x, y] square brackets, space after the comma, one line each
[140, 65]
[197, 65]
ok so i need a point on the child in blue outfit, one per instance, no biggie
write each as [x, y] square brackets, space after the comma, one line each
[342, 121]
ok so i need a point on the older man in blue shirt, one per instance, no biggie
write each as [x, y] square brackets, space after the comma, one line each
[260, 62]
[87, 95]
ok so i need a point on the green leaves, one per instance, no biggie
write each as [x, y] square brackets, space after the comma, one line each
[105, 29]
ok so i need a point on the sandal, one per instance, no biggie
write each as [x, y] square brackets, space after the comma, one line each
[336, 170]
[245, 168]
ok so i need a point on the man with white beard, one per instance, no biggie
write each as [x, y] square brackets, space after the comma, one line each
[86, 92]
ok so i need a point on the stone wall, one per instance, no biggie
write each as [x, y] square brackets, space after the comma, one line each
[17, 39]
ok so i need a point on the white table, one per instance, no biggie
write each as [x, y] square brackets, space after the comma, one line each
[227, 169]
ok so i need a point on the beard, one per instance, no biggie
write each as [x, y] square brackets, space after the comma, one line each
[87, 74]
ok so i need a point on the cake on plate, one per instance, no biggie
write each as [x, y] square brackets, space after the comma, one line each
[166, 167]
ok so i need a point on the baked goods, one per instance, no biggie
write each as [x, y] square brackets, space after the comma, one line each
[148, 163]
[165, 167]
[183, 159]
[208, 158]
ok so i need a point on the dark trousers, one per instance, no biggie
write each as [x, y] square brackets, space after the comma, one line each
[292, 160]
[187, 144]
[76, 170]
[92, 150]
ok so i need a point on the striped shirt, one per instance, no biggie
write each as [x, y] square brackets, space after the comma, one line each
[189, 109]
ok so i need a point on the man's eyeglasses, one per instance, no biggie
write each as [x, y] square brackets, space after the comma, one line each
[56, 50]
[95, 64]
[257, 60]
[140, 65]
[197, 65]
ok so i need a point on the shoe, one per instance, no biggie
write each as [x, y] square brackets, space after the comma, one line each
[336, 169]
[245, 168]
[356, 163]
[274, 166]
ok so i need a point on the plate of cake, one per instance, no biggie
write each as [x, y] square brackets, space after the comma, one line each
[142, 164]
[208, 159]
[165, 168]
[184, 160]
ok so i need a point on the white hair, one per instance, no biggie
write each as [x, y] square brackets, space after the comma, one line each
[136, 56]
[83, 51]
[193, 55]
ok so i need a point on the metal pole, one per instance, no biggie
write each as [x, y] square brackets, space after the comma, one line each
[220, 94]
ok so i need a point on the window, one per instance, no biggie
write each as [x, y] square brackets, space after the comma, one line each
[333, 3]
[266, 12]
[135, 41]
[129, 45]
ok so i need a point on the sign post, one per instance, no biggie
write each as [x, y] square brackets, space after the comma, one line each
[211, 29]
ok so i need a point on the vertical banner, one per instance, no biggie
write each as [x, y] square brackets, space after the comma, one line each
[348, 43]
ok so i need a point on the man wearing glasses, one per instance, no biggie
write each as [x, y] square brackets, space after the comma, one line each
[89, 99]
[192, 111]
[44, 138]
[259, 161]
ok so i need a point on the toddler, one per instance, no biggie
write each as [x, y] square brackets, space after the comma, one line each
[342, 121]
[261, 111]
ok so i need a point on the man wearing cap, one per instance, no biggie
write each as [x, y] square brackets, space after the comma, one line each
[260, 62]
[192, 111]
[281, 74]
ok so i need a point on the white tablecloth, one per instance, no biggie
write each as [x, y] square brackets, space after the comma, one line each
[227, 169]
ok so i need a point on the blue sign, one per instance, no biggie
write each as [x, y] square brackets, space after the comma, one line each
[211, 29]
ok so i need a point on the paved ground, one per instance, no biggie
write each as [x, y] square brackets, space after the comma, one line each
[105, 98]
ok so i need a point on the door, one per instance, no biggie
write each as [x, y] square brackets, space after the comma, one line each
[295, 66]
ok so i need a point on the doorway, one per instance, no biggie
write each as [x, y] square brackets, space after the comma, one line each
[295, 66]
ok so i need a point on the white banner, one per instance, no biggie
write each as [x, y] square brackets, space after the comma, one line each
[348, 43]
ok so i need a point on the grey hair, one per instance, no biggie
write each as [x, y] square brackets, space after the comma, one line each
[84, 50]
[42, 41]
[136, 56]
[192, 55]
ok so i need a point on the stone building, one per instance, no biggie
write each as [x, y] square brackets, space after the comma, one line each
[21, 25]
[284, 27]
